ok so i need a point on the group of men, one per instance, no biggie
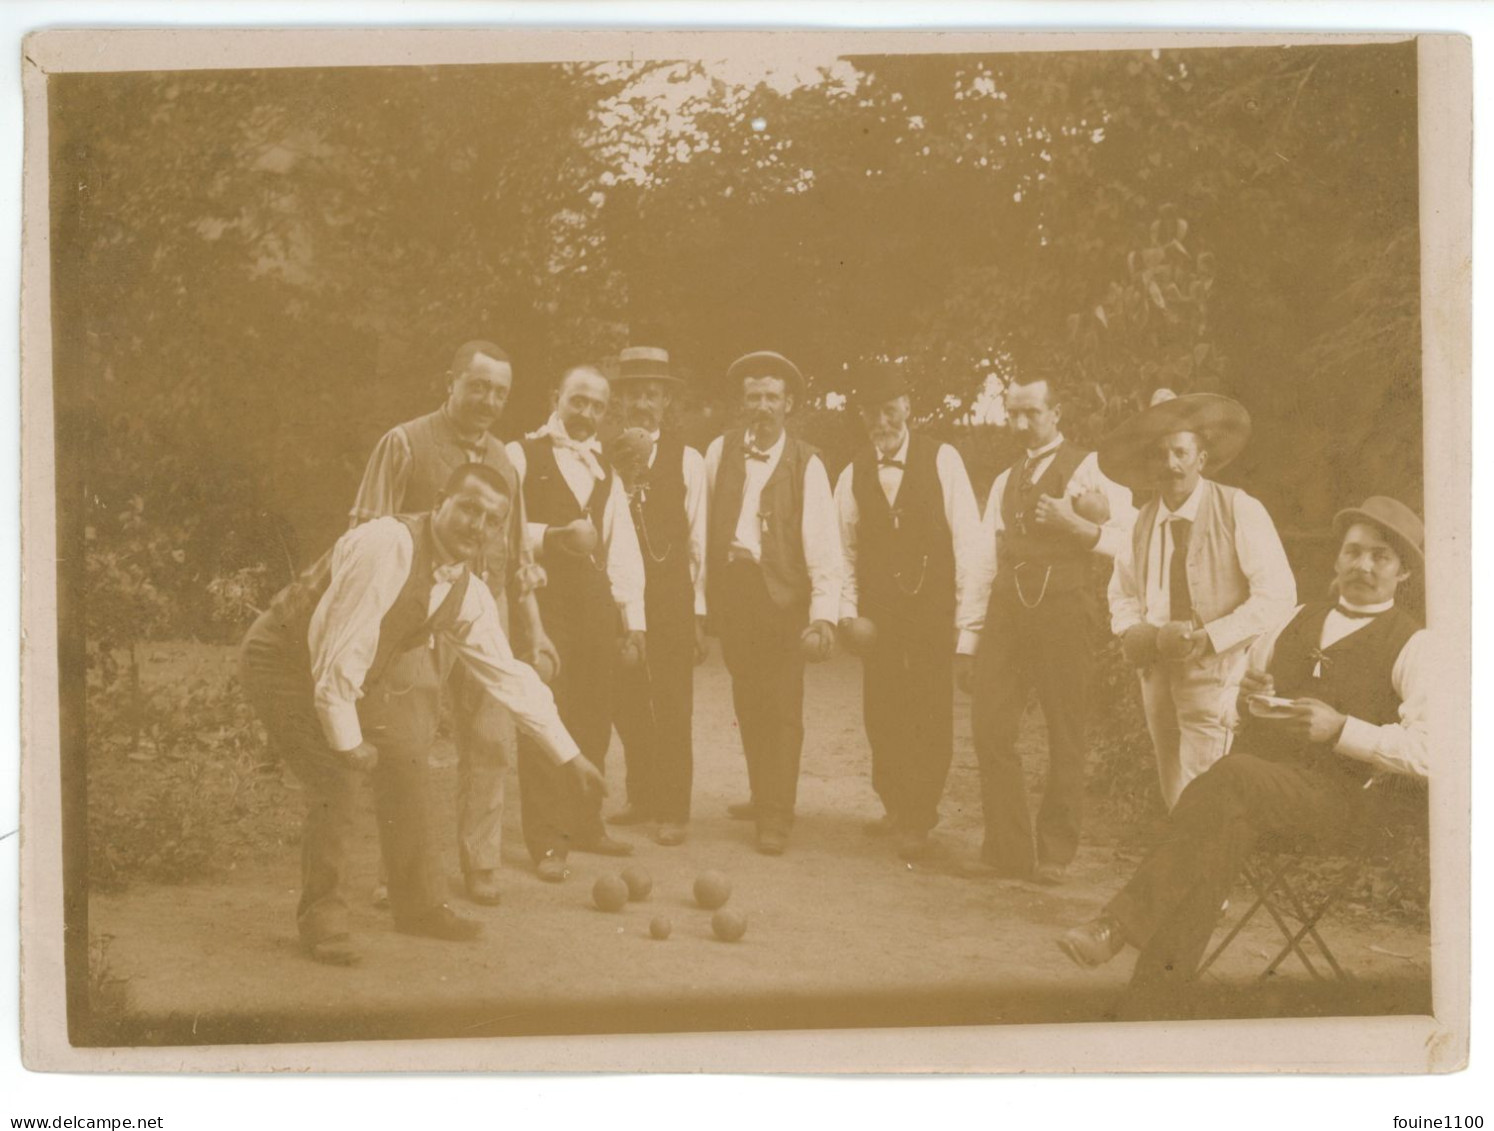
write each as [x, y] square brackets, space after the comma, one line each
[608, 566]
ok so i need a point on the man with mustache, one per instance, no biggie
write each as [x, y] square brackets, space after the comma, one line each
[666, 485]
[405, 475]
[773, 576]
[1204, 575]
[910, 533]
[1331, 716]
[342, 670]
[1037, 553]
[592, 604]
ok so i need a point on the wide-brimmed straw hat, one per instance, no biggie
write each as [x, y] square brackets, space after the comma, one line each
[645, 363]
[1402, 526]
[765, 363]
[1224, 425]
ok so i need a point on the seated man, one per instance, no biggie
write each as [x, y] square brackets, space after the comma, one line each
[342, 670]
[1332, 700]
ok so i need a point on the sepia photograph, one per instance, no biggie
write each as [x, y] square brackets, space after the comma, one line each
[569, 535]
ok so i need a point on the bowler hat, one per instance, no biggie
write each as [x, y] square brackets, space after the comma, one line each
[645, 363]
[1401, 525]
[878, 384]
[766, 363]
[1125, 454]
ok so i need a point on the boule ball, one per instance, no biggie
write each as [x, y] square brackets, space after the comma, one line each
[583, 537]
[544, 667]
[629, 655]
[812, 643]
[660, 927]
[1092, 506]
[860, 634]
[729, 925]
[712, 890]
[639, 882]
[1172, 640]
[610, 893]
[628, 451]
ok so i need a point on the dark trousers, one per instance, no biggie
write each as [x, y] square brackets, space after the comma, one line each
[908, 706]
[398, 716]
[1047, 648]
[1171, 905]
[653, 703]
[582, 620]
[760, 643]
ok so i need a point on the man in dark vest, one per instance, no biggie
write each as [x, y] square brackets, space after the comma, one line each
[1332, 707]
[1037, 554]
[342, 670]
[773, 567]
[910, 535]
[405, 475]
[1204, 575]
[666, 485]
[592, 604]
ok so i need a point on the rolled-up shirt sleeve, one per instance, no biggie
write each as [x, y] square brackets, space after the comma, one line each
[478, 641]
[534, 530]
[370, 566]
[1115, 533]
[696, 493]
[624, 557]
[385, 479]
[1399, 747]
[847, 514]
[962, 513]
[1124, 593]
[983, 566]
[820, 530]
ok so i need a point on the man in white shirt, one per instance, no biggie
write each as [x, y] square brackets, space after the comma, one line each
[1204, 574]
[1331, 717]
[1037, 557]
[910, 536]
[342, 670]
[592, 604]
[666, 485]
[773, 577]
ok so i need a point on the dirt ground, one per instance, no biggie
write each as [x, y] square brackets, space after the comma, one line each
[840, 932]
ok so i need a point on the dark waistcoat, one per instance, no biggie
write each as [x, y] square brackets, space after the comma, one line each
[1027, 553]
[782, 511]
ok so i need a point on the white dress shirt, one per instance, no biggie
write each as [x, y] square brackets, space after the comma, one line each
[619, 538]
[693, 468]
[1114, 534]
[961, 512]
[370, 565]
[1397, 748]
[1263, 561]
[819, 525]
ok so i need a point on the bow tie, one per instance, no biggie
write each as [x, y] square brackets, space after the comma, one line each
[448, 574]
[897, 463]
[753, 453]
[1354, 614]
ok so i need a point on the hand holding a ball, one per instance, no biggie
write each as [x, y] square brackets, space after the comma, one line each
[817, 641]
[634, 650]
[1139, 645]
[577, 537]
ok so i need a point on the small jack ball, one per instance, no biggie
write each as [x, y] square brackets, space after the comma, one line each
[610, 893]
[639, 882]
[660, 927]
[712, 890]
[729, 925]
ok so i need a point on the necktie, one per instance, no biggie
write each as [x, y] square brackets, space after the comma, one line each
[1354, 614]
[448, 574]
[897, 463]
[753, 453]
[1178, 598]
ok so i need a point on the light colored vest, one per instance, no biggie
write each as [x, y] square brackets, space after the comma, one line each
[1216, 583]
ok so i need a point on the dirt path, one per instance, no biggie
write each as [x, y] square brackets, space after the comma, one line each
[840, 931]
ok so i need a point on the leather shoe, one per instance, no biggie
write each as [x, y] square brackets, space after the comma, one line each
[882, 826]
[670, 835]
[629, 815]
[913, 847]
[335, 950]
[482, 887]
[1050, 875]
[604, 845]
[1093, 944]
[551, 867]
[742, 810]
[772, 841]
[441, 923]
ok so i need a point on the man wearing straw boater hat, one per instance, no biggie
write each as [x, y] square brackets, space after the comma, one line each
[772, 581]
[910, 536]
[405, 474]
[1331, 711]
[666, 485]
[1204, 575]
[1048, 519]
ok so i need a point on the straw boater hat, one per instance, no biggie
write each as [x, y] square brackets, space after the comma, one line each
[766, 363]
[877, 384]
[1125, 454]
[1399, 522]
[645, 363]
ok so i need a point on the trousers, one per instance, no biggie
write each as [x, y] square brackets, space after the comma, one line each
[760, 644]
[1046, 648]
[398, 715]
[1182, 700]
[907, 700]
[653, 706]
